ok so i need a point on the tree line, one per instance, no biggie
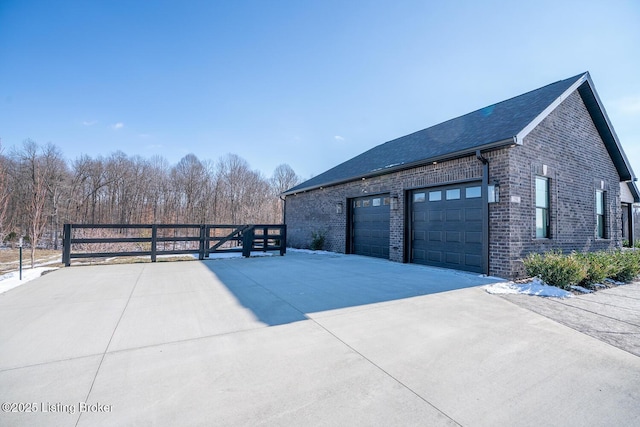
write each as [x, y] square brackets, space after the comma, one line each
[40, 191]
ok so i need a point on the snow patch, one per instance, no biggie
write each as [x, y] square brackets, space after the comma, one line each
[226, 255]
[309, 251]
[535, 287]
[12, 280]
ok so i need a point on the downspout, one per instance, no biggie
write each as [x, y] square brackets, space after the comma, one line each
[485, 211]
[284, 209]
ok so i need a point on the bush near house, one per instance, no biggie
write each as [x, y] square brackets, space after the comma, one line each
[317, 241]
[584, 269]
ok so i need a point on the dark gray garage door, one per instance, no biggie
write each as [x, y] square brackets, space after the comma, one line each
[447, 227]
[370, 226]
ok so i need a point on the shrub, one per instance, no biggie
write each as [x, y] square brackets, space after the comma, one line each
[626, 265]
[317, 241]
[534, 265]
[598, 266]
[556, 269]
[585, 269]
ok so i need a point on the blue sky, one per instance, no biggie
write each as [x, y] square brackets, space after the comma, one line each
[308, 83]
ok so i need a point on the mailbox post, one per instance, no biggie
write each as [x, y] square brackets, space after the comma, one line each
[20, 246]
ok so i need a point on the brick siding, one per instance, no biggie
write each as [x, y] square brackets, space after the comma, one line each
[565, 146]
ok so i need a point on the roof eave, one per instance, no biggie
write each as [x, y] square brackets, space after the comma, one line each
[606, 129]
[545, 113]
[450, 156]
[608, 133]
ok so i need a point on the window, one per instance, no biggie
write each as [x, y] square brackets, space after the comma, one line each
[453, 194]
[366, 203]
[435, 196]
[600, 214]
[377, 201]
[357, 204]
[542, 208]
[418, 197]
[386, 201]
[473, 192]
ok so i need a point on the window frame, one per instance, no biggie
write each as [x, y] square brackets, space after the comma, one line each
[601, 217]
[543, 212]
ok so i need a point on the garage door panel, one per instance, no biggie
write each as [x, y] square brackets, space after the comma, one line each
[454, 215]
[435, 256]
[473, 214]
[473, 260]
[453, 237]
[370, 221]
[452, 258]
[435, 236]
[435, 216]
[454, 229]
[473, 237]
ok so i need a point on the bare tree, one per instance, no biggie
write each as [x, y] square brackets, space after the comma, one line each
[32, 173]
[4, 195]
[56, 180]
[284, 178]
[190, 177]
[39, 190]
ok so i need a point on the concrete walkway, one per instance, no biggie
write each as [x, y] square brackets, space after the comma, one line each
[297, 340]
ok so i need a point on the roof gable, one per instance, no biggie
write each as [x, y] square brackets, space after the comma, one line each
[496, 125]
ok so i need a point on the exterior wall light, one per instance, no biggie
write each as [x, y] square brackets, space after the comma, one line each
[494, 192]
[339, 208]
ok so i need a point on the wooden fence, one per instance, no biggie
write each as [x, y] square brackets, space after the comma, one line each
[153, 239]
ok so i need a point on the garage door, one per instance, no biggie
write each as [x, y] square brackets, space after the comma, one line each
[447, 227]
[370, 226]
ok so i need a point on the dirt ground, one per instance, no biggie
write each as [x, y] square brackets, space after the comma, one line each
[10, 258]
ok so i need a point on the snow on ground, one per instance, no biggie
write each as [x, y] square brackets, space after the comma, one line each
[224, 255]
[535, 287]
[11, 280]
[309, 251]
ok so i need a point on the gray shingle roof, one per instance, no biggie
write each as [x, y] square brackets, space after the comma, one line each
[487, 127]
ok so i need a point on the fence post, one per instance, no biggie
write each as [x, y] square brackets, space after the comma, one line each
[265, 238]
[202, 242]
[66, 245]
[247, 241]
[283, 240]
[154, 241]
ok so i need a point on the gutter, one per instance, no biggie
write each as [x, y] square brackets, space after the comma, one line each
[485, 211]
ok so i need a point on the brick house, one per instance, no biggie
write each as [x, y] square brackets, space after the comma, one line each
[544, 170]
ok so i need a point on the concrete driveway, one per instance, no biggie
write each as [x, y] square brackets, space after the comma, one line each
[296, 340]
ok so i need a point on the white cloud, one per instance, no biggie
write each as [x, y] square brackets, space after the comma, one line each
[117, 126]
[338, 138]
[89, 122]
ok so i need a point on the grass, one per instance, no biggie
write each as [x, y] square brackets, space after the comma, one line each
[10, 258]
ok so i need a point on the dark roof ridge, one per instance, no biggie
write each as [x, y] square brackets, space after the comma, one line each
[496, 125]
[576, 77]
